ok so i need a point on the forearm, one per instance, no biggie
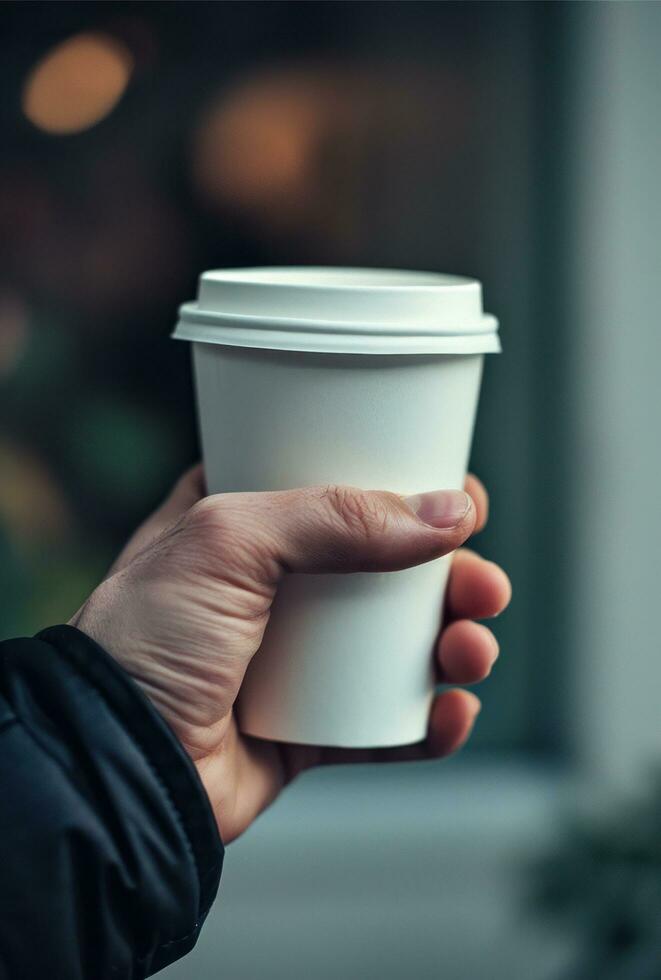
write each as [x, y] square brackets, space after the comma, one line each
[110, 853]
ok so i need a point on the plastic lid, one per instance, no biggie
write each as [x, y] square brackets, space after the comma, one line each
[336, 310]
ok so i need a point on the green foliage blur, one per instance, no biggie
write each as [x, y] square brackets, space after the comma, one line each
[83, 460]
[604, 886]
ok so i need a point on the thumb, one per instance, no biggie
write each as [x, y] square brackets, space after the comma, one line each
[341, 528]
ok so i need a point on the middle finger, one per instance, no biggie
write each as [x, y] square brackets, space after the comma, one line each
[477, 588]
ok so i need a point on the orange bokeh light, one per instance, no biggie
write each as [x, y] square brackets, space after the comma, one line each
[77, 83]
[257, 145]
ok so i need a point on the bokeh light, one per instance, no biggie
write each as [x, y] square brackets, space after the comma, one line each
[317, 152]
[257, 145]
[77, 83]
[33, 507]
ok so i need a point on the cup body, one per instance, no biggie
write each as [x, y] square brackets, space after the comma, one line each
[346, 660]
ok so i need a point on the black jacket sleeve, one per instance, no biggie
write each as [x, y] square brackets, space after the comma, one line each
[109, 853]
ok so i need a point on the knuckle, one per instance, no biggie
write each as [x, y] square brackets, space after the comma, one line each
[228, 537]
[360, 511]
[209, 523]
[207, 513]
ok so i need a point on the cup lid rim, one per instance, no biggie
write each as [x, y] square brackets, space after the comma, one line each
[339, 278]
[365, 310]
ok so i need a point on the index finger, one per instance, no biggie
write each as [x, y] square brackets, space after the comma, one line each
[477, 491]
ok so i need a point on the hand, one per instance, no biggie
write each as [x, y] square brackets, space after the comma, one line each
[185, 606]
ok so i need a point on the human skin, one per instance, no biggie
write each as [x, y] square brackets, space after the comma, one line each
[184, 608]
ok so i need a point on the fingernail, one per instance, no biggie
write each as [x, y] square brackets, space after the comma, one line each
[476, 705]
[493, 642]
[440, 508]
[495, 653]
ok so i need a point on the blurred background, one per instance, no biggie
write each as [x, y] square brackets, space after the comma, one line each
[515, 142]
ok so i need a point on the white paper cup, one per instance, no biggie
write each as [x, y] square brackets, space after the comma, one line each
[365, 377]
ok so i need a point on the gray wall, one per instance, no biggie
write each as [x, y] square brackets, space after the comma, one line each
[614, 385]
